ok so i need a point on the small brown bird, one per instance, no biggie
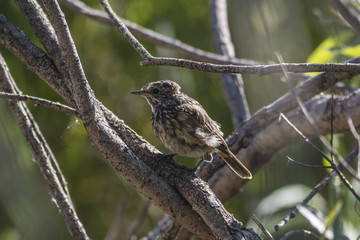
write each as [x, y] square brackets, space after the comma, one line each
[184, 127]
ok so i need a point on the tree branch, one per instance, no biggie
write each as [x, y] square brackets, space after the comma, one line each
[164, 41]
[43, 155]
[155, 37]
[316, 190]
[124, 162]
[258, 69]
[46, 34]
[348, 16]
[34, 58]
[233, 85]
[287, 102]
[277, 135]
[40, 102]
[148, 60]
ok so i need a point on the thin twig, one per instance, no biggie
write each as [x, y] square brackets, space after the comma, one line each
[357, 138]
[39, 102]
[114, 229]
[334, 167]
[157, 38]
[231, 65]
[258, 69]
[118, 23]
[316, 130]
[165, 41]
[316, 189]
[149, 60]
[306, 165]
[303, 232]
[261, 226]
[140, 219]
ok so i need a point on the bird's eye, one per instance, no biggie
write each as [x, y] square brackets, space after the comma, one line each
[155, 91]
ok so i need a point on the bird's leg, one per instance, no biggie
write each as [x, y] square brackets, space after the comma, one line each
[207, 157]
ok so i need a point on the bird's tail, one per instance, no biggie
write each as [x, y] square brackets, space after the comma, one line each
[234, 163]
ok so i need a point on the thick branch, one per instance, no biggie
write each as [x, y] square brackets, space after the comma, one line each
[107, 141]
[46, 34]
[268, 114]
[222, 224]
[184, 213]
[33, 57]
[277, 135]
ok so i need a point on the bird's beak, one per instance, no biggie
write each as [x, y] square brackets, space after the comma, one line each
[138, 92]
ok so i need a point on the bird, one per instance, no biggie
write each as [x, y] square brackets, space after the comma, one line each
[184, 127]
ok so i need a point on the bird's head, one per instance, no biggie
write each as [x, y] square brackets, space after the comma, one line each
[159, 92]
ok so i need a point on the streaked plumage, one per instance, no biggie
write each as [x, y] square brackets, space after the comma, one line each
[184, 127]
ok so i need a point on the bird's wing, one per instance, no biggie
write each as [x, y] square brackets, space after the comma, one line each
[197, 125]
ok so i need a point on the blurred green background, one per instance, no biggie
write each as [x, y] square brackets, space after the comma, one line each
[293, 28]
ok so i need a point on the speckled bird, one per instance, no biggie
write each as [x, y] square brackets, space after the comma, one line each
[184, 127]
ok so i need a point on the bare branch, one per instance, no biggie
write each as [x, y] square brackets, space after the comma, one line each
[34, 58]
[156, 38]
[302, 232]
[233, 85]
[125, 31]
[140, 219]
[216, 68]
[258, 69]
[164, 41]
[346, 13]
[46, 34]
[266, 115]
[306, 165]
[261, 226]
[316, 189]
[314, 127]
[40, 102]
[43, 155]
[333, 166]
[270, 139]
